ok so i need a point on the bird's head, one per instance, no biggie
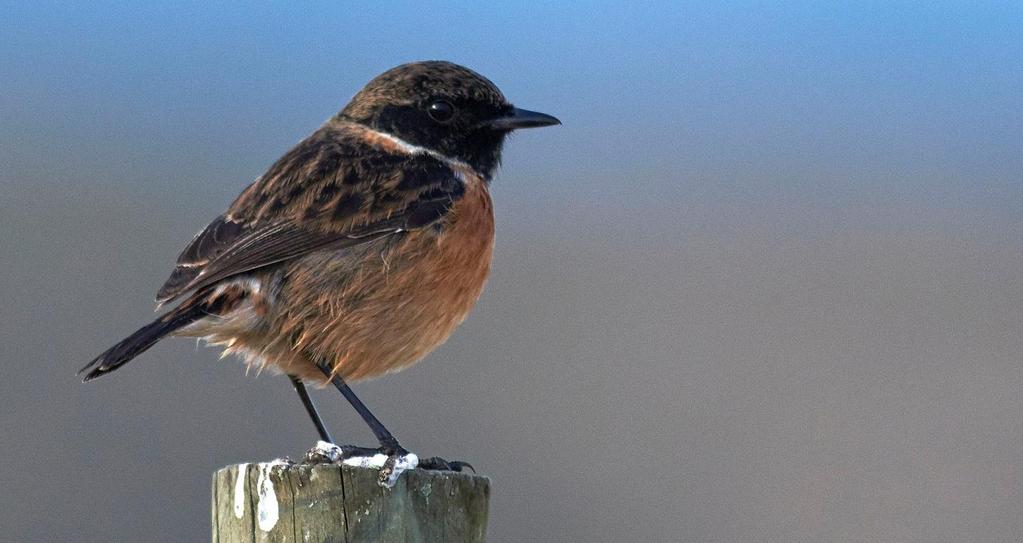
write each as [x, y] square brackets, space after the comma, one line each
[443, 107]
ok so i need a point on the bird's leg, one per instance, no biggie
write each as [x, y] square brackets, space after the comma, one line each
[388, 444]
[310, 408]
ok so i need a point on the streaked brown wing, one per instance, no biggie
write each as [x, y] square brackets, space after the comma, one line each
[271, 244]
[208, 244]
[326, 192]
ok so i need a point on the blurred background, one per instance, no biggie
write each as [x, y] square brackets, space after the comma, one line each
[765, 284]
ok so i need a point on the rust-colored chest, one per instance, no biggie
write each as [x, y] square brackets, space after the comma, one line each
[397, 303]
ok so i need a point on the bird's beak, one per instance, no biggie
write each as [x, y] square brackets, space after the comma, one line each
[522, 118]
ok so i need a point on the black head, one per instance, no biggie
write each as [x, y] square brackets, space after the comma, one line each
[443, 107]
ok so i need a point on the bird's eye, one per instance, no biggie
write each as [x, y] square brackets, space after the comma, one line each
[441, 111]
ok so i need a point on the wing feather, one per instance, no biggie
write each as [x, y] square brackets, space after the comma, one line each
[319, 195]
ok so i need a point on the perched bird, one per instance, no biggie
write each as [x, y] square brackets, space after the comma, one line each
[360, 250]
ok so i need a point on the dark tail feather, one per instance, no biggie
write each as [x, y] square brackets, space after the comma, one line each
[141, 340]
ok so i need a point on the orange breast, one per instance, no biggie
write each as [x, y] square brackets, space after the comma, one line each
[400, 304]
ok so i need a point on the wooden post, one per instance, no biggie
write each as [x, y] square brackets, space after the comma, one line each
[278, 501]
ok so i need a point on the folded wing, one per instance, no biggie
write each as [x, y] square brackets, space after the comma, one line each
[322, 194]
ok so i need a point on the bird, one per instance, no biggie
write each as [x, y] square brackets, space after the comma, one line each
[359, 251]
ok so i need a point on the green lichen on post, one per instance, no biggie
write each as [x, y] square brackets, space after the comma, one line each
[278, 502]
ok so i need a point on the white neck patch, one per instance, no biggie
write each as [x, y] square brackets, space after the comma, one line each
[459, 167]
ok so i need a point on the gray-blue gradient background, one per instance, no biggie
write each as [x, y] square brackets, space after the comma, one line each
[765, 284]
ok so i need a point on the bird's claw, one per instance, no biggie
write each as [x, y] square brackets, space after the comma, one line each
[328, 453]
[436, 463]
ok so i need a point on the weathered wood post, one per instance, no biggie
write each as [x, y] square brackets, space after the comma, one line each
[279, 501]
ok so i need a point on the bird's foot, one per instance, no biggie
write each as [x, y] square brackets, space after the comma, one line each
[436, 463]
[329, 453]
[391, 459]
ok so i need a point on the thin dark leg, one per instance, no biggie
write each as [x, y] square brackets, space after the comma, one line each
[387, 441]
[303, 394]
[388, 444]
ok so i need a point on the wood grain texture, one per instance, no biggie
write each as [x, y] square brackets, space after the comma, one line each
[331, 503]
